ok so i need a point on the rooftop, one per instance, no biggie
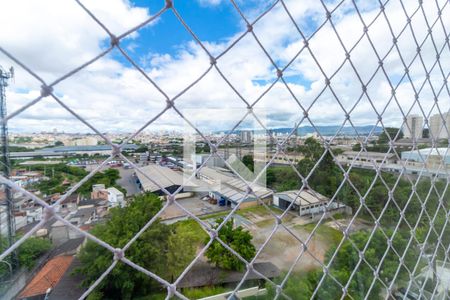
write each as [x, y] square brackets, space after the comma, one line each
[367, 154]
[68, 287]
[231, 186]
[163, 176]
[305, 197]
[48, 277]
[430, 151]
[114, 190]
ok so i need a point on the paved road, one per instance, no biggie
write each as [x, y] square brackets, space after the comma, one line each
[127, 181]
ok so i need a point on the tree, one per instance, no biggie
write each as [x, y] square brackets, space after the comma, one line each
[248, 161]
[202, 148]
[107, 177]
[237, 239]
[141, 149]
[31, 250]
[312, 149]
[180, 252]
[282, 178]
[394, 133]
[346, 260]
[298, 286]
[148, 251]
[326, 177]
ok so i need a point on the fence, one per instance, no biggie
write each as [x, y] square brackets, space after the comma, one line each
[418, 218]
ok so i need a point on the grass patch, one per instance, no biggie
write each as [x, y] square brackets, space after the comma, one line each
[339, 216]
[325, 232]
[258, 210]
[265, 223]
[191, 226]
[215, 215]
[197, 293]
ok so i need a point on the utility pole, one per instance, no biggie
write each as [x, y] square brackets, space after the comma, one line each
[7, 202]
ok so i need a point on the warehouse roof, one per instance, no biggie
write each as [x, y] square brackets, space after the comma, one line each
[215, 174]
[430, 151]
[304, 198]
[161, 176]
[422, 154]
[231, 186]
[260, 191]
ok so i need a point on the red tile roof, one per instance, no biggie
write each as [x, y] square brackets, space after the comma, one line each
[48, 276]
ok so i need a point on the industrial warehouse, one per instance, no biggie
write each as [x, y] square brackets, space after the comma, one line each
[305, 202]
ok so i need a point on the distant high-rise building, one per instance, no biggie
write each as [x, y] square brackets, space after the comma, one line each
[437, 128]
[413, 127]
[246, 136]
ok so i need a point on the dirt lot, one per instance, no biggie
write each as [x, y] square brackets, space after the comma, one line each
[283, 248]
[194, 205]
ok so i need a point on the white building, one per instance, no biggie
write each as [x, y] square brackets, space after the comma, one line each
[413, 127]
[19, 221]
[306, 202]
[437, 129]
[371, 158]
[115, 197]
[246, 136]
[431, 157]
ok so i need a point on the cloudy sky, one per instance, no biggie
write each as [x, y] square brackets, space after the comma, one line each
[54, 37]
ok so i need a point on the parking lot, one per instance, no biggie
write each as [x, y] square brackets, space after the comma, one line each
[128, 181]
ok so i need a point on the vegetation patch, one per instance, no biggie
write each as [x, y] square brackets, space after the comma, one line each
[199, 293]
[327, 233]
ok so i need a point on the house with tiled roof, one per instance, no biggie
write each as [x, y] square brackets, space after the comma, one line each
[47, 278]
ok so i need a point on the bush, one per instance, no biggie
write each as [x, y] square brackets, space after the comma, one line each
[31, 250]
[238, 240]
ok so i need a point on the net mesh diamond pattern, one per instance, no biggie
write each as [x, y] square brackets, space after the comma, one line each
[425, 72]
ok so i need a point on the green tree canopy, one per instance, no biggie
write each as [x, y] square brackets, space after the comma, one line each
[378, 253]
[248, 161]
[148, 251]
[30, 250]
[394, 134]
[238, 239]
[326, 177]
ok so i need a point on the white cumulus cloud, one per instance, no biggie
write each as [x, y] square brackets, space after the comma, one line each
[54, 37]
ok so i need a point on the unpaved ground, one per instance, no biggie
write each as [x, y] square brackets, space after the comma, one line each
[284, 249]
[342, 224]
[194, 205]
